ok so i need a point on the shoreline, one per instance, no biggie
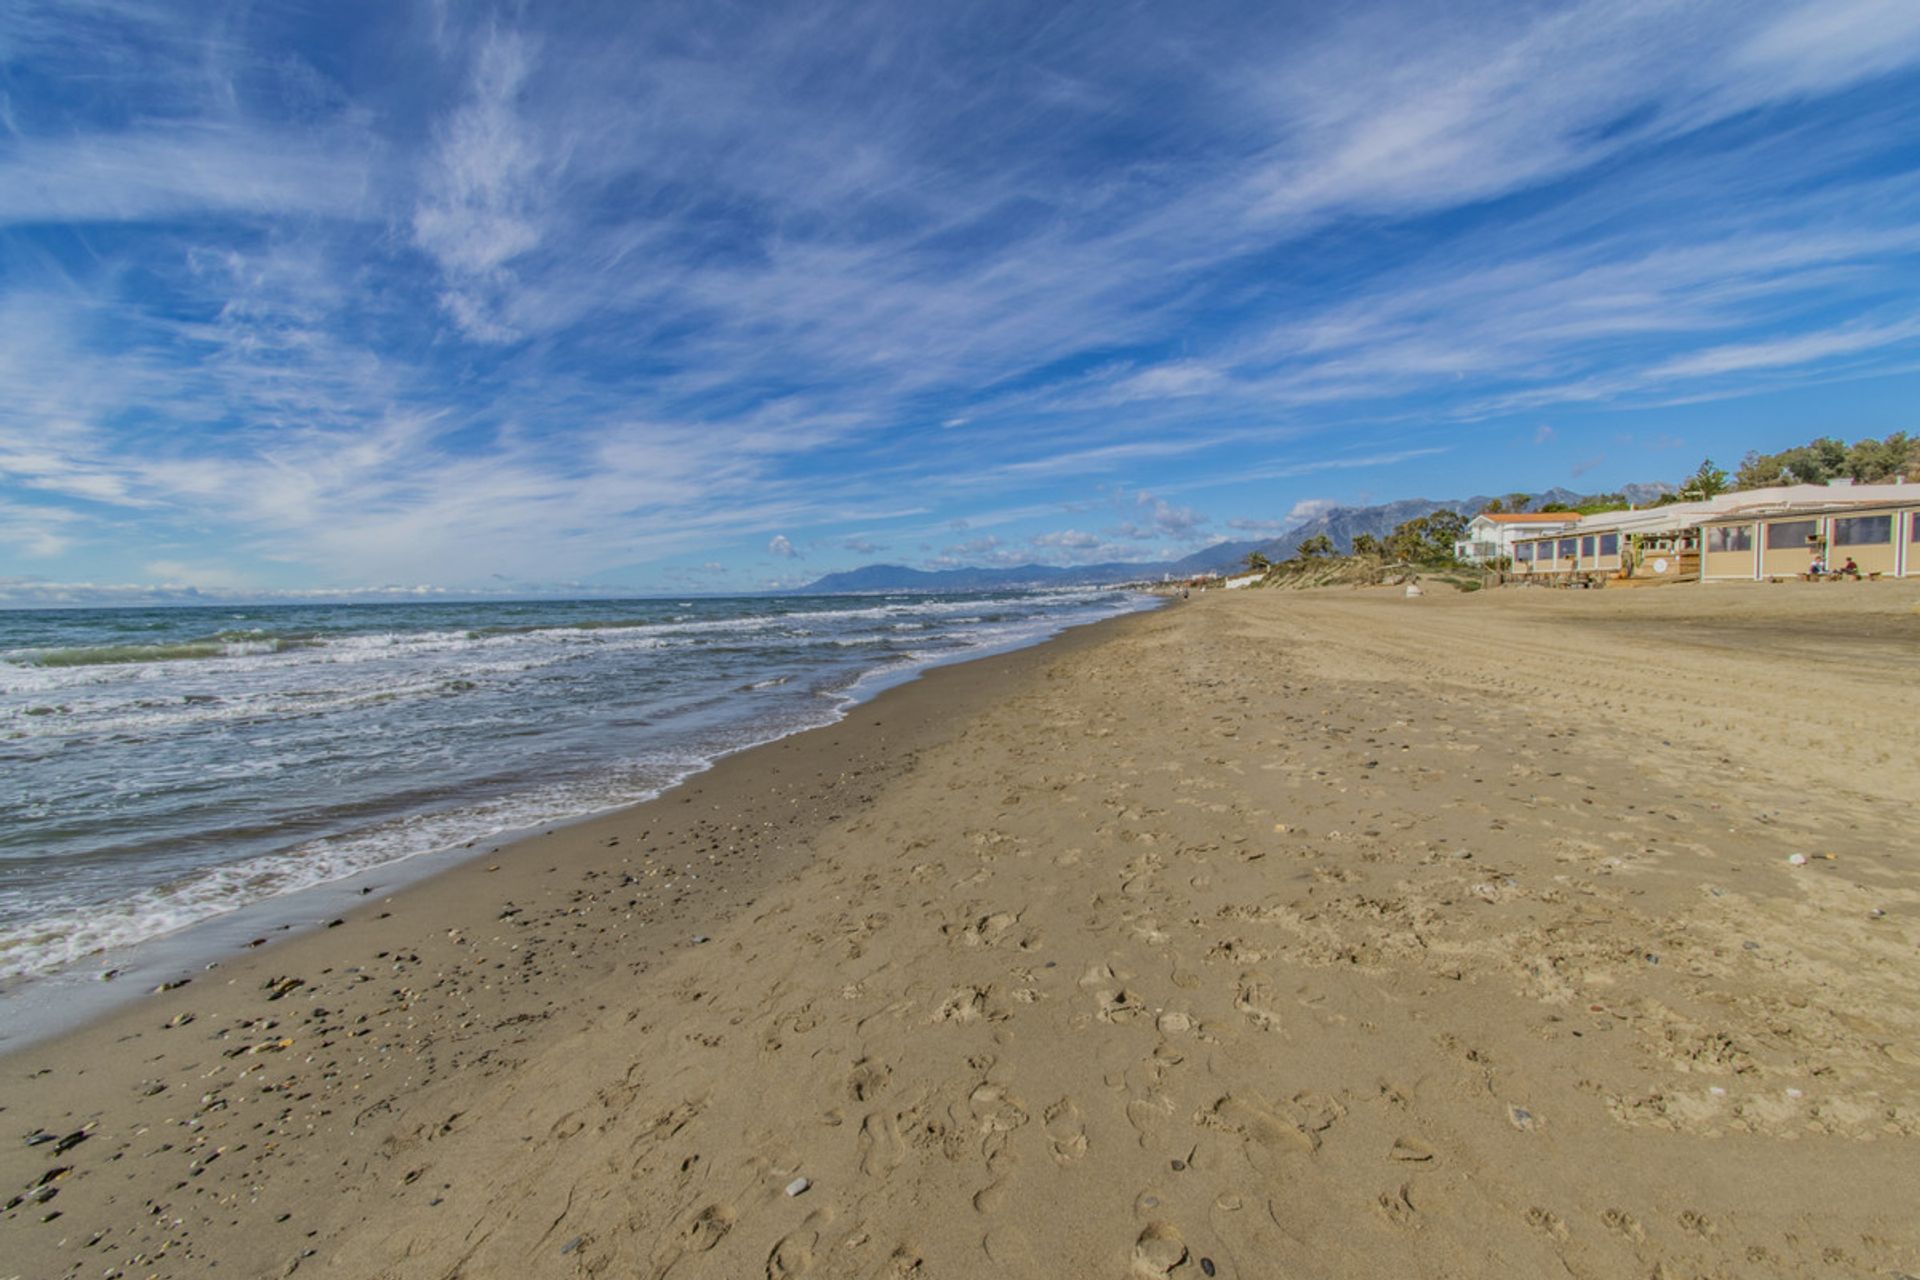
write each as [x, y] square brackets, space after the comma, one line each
[769, 799]
[1273, 925]
[49, 1004]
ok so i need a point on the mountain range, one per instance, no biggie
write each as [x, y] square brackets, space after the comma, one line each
[1341, 524]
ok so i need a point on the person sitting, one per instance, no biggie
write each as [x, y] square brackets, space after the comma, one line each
[1815, 569]
[1849, 569]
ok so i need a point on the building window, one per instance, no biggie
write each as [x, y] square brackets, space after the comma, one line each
[1784, 534]
[1730, 537]
[1566, 547]
[1586, 545]
[1913, 519]
[1863, 531]
[1524, 551]
[1609, 544]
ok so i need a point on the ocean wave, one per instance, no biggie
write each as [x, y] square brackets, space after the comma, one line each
[223, 645]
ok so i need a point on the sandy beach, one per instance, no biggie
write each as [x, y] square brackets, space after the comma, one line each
[1273, 934]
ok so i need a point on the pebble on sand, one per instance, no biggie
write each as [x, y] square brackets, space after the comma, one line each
[797, 1186]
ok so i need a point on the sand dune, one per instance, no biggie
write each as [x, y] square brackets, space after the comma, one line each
[1274, 934]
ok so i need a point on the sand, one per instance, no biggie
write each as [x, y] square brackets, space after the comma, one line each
[1273, 934]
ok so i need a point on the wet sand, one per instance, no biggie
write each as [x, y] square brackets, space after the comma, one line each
[1306, 934]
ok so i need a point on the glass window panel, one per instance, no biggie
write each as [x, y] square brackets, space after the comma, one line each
[1566, 547]
[1609, 544]
[1790, 533]
[1586, 545]
[1730, 537]
[1862, 531]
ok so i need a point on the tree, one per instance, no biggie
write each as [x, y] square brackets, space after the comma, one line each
[1878, 461]
[1867, 461]
[1318, 545]
[1708, 482]
[1518, 501]
[1815, 462]
[1258, 563]
[1427, 539]
[1493, 508]
[1365, 544]
[1760, 471]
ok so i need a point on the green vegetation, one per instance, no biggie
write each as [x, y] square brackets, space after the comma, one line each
[1426, 540]
[1866, 461]
[1317, 546]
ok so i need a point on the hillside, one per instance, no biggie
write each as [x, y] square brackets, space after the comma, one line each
[1342, 524]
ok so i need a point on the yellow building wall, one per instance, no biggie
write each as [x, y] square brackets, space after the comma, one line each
[1727, 564]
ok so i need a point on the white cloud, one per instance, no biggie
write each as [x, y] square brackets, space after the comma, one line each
[33, 530]
[1780, 352]
[780, 546]
[185, 169]
[482, 205]
[175, 573]
[1309, 509]
[1262, 528]
[1069, 539]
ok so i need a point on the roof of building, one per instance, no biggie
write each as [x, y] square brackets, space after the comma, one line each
[1811, 499]
[1529, 517]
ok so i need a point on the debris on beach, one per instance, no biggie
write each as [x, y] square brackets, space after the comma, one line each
[798, 1186]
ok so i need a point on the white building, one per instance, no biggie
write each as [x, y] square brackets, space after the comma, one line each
[1491, 535]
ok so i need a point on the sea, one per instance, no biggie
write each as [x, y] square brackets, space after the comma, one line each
[162, 767]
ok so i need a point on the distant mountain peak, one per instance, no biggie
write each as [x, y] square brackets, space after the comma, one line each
[1341, 524]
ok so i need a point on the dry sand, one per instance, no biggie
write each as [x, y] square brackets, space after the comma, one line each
[1274, 934]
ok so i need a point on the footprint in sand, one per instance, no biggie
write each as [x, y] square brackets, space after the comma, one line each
[868, 1079]
[709, 1227]
[995, 1110]
[1623, 1222]
[1548, 1221]
[1010, 1251]
[1254, 999]
[1066, 1131]
[793, 1255]
[1698, 1223]
[1272, 1135]
[881, 1147]
[1149, 1117]
[1157, 1251]
[1397, 1206]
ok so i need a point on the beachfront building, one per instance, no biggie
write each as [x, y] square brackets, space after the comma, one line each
[1755, 533]
[1876, 530]
[1652, 544]
[1491, 535]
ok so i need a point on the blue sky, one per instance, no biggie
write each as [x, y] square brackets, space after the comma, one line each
[718, 296]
